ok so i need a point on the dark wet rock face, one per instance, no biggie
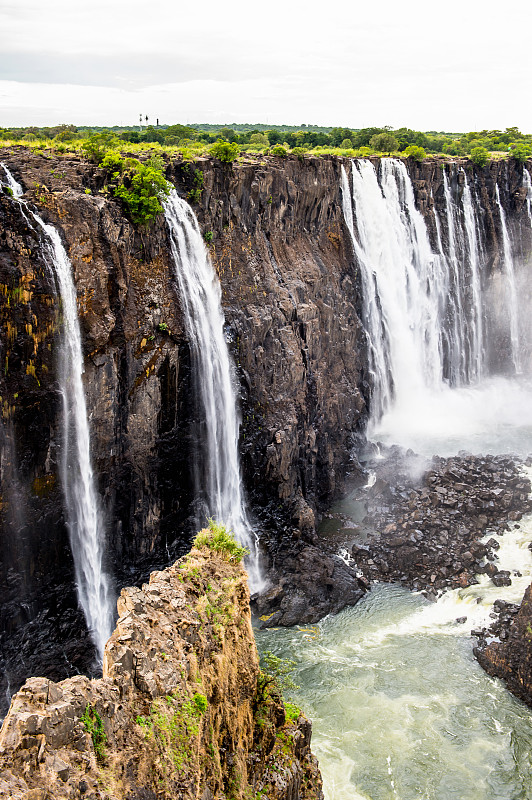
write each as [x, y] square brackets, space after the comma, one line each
[290, 296]
[312, 585]
[505, 649]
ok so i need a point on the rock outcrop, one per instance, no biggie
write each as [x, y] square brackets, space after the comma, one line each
[182, 710]
[510, 658]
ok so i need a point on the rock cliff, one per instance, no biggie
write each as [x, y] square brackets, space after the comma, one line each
[182, 710]
[511, 658]
[290, 298]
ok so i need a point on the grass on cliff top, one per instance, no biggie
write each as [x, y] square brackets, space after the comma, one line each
[217, 538]
[189, 151]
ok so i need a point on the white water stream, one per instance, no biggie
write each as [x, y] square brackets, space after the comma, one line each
[218, 480]
[83, 512]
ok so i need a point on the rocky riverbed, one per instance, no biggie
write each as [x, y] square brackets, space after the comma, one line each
[426, 532]
[421, 523]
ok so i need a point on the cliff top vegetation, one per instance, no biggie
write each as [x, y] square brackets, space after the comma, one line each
[197, 140]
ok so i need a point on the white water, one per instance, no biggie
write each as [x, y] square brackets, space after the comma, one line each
[511, 290]
[402, 293]
[83, 513]
[423, 314]
[218, 470]
[528, 186]
[400, 707]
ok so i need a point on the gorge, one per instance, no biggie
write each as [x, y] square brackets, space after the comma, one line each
[359, 297]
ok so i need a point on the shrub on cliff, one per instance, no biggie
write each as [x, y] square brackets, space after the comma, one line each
[520, 152]
[142, 189]
[415, 152]
[225, 151]
[216, 537]
[479, 156]
[97, 145]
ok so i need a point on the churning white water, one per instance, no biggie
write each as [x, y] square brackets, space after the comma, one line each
[511, 290]
[83, 512]
[400, 706]
[423, 313]
[218, 480]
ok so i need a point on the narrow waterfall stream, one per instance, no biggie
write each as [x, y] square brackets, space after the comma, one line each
[217, 469]
[400, 706]
[82, 507]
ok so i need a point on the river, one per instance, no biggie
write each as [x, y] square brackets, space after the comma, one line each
[400, 706]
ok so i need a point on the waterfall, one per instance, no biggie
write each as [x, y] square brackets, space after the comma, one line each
[511, 290]
[426, 315]
[217, 471]
[83, 513]
[527, 181]
[462, 322]
[404, 285]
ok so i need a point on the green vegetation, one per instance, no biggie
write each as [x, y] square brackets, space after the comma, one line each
[479, 156]
[225, 151]
[172, 725]
[217, 538]
[93, 724]
[415, 152]
[293, 712]
[208, 236]
[143, 191]
[383, 143]
[521, 152]
[117, 148]
[277, 671]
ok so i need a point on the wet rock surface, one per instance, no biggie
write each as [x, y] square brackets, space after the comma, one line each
[312, 584]
[424, 530]
[505, 647]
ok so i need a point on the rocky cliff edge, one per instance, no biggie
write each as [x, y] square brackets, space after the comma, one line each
[183, 709]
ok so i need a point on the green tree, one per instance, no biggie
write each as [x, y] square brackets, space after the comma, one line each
[97, 145]
[479, 156]
[142, 191]
[383, 142]
[347, 144]
[415, 152]
[259, 139]
[520, 152]
[225, 151]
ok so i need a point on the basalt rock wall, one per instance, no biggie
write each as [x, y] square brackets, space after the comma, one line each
[290, 293]
[290, 298]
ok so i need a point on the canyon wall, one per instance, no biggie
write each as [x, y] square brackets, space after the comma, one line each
[291, 297]
[182, 710]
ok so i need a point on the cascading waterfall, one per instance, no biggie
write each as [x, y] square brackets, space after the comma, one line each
[511, 290]
[475, 301]
[83, 513]
[404, 286]
[422, 310]
[218, 479]
[527, 181]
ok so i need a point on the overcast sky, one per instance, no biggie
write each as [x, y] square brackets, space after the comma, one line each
[457, 68]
